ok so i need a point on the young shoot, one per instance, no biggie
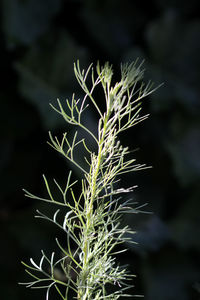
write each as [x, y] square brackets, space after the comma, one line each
[92, 220]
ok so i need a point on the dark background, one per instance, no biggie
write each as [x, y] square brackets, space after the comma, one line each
[40, 40]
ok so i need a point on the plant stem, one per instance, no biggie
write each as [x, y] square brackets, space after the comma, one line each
[83, 292]
[95, 214]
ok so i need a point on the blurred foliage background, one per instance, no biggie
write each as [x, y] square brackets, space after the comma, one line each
[40, 40]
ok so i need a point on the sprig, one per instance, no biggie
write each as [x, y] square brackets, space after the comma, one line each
[92, 220]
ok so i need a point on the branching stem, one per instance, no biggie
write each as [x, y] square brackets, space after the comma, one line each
[91, 220]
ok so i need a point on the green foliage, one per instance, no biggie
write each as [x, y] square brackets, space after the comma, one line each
[92, 220]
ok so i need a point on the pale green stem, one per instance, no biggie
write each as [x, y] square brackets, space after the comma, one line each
[83, 293]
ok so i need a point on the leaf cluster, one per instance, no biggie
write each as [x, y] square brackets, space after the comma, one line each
[92, 221]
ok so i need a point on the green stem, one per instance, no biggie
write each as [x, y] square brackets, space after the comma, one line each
[83, 293]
